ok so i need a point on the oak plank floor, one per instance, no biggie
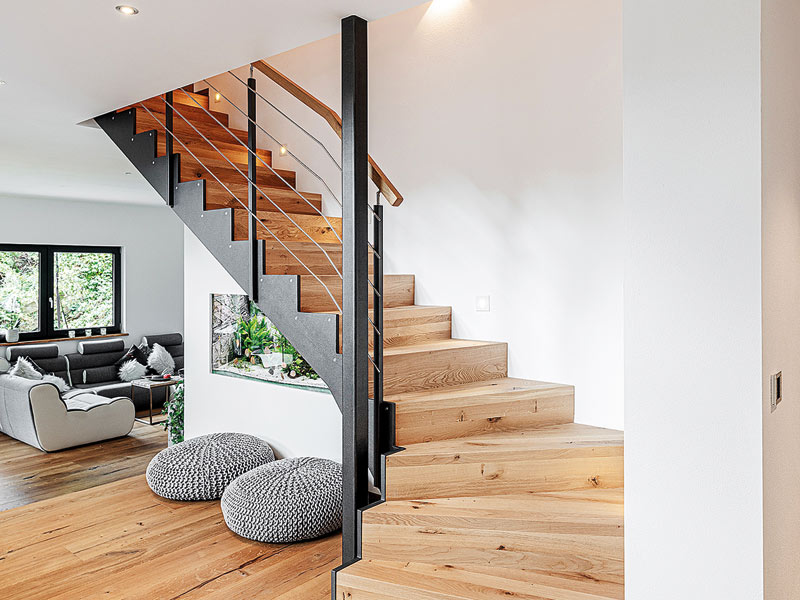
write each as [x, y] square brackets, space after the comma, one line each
[120, 541]
[29, 475]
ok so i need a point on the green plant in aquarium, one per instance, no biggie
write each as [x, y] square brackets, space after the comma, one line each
[254, 333]
[300, 368]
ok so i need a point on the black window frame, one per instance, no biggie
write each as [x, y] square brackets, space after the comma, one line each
[46, 253]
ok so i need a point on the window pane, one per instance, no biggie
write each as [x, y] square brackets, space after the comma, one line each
[19, 291]
[83, 290]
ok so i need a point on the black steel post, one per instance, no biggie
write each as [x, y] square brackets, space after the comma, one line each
[171, 179]
[252, 192]
[355, 338]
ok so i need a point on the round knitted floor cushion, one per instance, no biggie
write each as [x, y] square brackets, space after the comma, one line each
[202, 467]
[287, 500]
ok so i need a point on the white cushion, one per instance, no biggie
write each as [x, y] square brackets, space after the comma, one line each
[132, 370]
[160, 360]
[23, 368]
[56, 381]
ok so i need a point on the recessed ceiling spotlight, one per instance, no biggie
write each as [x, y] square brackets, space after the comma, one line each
[128, 10]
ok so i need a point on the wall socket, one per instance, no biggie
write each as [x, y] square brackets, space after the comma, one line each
[482, 304]
[775, 390]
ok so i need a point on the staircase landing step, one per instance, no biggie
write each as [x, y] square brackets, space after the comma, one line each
[385, 580]
[576, 534]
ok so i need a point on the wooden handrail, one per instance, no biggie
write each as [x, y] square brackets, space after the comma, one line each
[378, 177]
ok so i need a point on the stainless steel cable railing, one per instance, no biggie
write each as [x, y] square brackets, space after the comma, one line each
[275, 140]
[255, 185]
[258, 158]
[293, 122]
[245, 207]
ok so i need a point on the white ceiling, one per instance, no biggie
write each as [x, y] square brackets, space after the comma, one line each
[65, 62]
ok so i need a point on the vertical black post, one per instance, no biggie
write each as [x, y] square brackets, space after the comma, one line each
[168, 140]
[252, 192]
[355, 346]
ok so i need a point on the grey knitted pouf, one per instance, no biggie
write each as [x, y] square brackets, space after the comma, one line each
[287, 500]
[202, 467]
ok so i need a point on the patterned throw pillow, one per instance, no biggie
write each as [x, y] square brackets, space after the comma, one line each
[161, 361]
[132, 370]
[24, 368]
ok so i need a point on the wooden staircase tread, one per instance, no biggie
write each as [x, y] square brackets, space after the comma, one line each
[550, 438]
[414, 308]
[512, 512]
[390, 580]
[456, 395]
[437, 345]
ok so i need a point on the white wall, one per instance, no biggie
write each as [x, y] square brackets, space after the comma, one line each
[500, 122]
[152, 242]
[294, 422]
[780, 294]
[692, 187]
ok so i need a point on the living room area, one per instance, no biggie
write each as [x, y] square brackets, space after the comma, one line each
[93, 286]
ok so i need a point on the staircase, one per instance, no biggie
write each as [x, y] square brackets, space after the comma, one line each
[496, 494]
[486, 488]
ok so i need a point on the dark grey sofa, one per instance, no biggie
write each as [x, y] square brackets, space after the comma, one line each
[93, 368]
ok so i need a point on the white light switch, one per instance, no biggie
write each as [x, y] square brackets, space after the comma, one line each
[482, 304]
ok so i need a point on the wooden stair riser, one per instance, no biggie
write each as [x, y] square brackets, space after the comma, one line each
[194, 132]
[298, 258]
[490, 407]
[398, 290]
[557, 470]
[571, 538]
[221, 157]
[424, 323]
[184, 112]
[292, 227]
[266, 180]
[235, 196]
[425, 369]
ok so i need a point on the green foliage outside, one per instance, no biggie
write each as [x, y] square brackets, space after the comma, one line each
[19, 290]
[84, 290]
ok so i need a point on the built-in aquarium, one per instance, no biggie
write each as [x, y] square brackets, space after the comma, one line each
[245, 343]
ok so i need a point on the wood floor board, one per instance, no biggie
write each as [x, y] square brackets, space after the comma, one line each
[30, 475]
[121, 541]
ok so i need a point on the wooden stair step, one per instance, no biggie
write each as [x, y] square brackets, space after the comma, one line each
[297, 258]
[289, 201]
[499, 405]
[555, 458]
[198, 168]
[579, 535]
[394, 580]
[187, 97]
[322, 230]
[189, 111]
[193, 133]
[225, 154]
[404, 325]
[442, 363]
[398, 290]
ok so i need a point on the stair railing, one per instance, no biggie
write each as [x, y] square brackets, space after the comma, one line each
[367, 429]
[253, 215]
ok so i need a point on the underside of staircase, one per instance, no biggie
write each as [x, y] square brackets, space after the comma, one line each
[492, 490]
